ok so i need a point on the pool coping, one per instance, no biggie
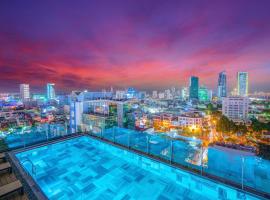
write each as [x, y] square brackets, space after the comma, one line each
[37, 193]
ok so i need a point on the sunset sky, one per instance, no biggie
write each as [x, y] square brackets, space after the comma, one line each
[147, 44]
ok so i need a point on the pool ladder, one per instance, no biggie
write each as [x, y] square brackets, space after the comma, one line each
[33, 169]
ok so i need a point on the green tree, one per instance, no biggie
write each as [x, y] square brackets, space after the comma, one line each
[210, 108]
[227, 126]
[259, 126]
[242, 128]
[224, 124]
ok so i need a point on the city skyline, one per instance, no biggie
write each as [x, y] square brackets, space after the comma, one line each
[188, 86]
[216, 90]
[145, 45]
[135, 99]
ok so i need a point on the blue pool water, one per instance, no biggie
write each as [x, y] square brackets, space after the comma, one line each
[85, 168]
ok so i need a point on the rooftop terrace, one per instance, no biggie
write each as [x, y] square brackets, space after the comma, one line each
[244, 172]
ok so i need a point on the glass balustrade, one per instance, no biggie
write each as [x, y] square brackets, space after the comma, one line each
[232, 166]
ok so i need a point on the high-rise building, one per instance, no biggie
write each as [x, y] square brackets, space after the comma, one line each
[194, 88]
[235, 108]
[154, 94]
[161, 95]
[242, 84]
[203, 94]
[168, 94]
[120, 94]
[184, 93]
[222, 84]
[142, 95]
[24, 92]
[131, 93]
[95, 111]
[173, 90]
[50, 91]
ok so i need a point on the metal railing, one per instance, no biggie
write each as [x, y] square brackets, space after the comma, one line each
[33, 167]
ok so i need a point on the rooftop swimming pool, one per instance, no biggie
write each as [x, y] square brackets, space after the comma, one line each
[86, 168]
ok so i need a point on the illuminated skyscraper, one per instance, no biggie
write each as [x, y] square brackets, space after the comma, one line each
[184, 93]
[131, 93]
[242, 84]
[194, 88]
[203, 94]
[24, 92]
[50, 91]
[222, 84]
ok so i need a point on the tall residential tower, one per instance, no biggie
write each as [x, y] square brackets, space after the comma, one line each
[50, 91]
[242, 84]
[222, 84]
[194, 88]
[24, 92]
